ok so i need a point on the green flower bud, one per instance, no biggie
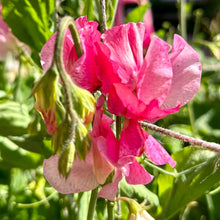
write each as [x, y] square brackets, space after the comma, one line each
[66, 159]
[84, 104]
[45, 91]
[82, 140]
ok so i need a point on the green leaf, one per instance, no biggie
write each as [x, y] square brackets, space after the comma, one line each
[14, 118]
[29, 20]
[198, 170]
[13, 156]
[137, 15]
[139, 192]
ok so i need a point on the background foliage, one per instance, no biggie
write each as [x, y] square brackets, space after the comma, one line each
[191, 191]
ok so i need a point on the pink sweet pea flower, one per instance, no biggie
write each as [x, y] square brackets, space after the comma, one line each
[150, 87]
[148, 18]
[82, 70]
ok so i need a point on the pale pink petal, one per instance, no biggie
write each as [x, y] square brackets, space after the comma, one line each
[102, 167]
[80, 179]
[138, 175]
[109, 191]
[126, 45]
[155, 76]
[156, 153]
[47, 53]
[131, 139]
[186, 73]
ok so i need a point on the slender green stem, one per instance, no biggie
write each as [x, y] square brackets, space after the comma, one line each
[35, 204]
[67, 22]
[182, 18]
[110, 206]
[92, 204]
[160, 169]
[118, 126]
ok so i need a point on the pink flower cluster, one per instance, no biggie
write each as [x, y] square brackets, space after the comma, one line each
[135, 86]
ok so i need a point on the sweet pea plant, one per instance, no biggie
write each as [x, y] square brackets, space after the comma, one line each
[102, 85]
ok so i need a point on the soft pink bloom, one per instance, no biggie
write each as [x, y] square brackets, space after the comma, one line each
[82, 70]
[108, 154]
[150, 87]
[148, 18]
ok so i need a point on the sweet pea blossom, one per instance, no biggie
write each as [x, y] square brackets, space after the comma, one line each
[82, 70]
[150, 87]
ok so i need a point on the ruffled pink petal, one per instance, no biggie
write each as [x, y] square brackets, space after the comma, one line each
[69, 53]
[154, 112]
[155, 76]
[186, 73]
[156, 153]
[138, 175]
[131, 139]
[126, 45]
[129, 106]
[122, 101]
[106, 68]
[80, 179]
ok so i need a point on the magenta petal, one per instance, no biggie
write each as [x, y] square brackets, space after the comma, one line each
[186, 73]
[122, 101]
[106, 66]
[126, 45]
[156, 153]
[138, 175]
[131, 139]
[155, 76]
[80, 179]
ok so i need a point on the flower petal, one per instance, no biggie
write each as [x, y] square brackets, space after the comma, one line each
[126, 45]
[109, 191]
[138, 175]
[156, 153]
[127, 103]
[80, 179]
[155, 77]
[186, 74]
[131, 139]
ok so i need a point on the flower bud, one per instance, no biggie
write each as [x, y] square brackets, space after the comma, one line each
[66, 159]
[136, 210]
[84, 104]
[82, 140]
[45, 91]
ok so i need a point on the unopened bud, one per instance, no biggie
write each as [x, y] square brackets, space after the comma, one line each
[84, 104]
[82, 140]
[45, 91]
[66, 159]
